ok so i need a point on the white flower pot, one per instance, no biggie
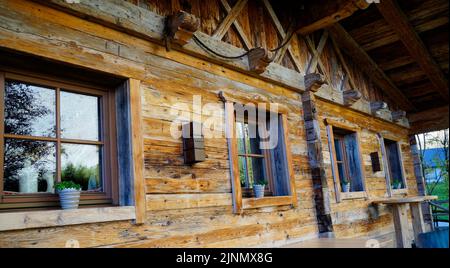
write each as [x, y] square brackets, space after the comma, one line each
[69, 198]
[259, 190]
[346, 188]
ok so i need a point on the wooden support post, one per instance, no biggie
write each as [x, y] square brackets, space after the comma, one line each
[137, 150]
[417, 220]
[400, 215]
[351, 96]
[421, 186]
[314, 144]
[180, 27]
[258, 60]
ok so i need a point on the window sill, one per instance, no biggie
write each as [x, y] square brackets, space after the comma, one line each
[249, 203]
[353, 195]
[54, 218]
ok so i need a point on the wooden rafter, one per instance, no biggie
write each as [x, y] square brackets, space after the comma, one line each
[416, 48]
[222, 29]
[321, 14]
[284, 36]
[372, 70]
[237, 26]
[429, 120]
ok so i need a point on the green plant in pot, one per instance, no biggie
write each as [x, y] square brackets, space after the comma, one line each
[397, 184]
[258, 188]
[345, 186]
[69, 194]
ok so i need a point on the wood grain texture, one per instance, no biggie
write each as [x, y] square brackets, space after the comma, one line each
[137, 145]
[414, 44]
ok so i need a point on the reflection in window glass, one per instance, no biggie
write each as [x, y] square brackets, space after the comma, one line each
[29, 166]
[81, 164]
[256, 171]
[79, 116]
[29, 110]
[240, 137]
[243, 171]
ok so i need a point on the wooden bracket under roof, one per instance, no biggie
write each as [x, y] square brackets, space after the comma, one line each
[180, 27]
[258, 59]
[381, 109]
[351, 96]
[313, 81]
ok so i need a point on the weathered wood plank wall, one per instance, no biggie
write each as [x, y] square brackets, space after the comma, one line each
[262, 32]
[355, 211]
[191, 205]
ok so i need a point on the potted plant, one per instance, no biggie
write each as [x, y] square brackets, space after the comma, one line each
[259, 189]
[397, 184]
[345, 186]
[69, 194]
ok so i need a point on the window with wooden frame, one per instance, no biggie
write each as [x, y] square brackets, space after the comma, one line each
[252, 164]
[54, 131]
[394, 170]
[346, 161]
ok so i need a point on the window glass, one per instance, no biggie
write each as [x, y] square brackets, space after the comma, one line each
[257, 166]
[29, 166]
[348, 162]
[81, 164]
[79, 116]
[33, 153]
[395, 167]
[29, 109]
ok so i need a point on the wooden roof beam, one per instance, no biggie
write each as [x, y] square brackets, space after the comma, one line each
[430, 120]
[372, 70]
[398, 21]
[321, 14]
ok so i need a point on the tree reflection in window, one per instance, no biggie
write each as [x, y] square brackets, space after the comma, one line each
[31, 138]
[29, 111]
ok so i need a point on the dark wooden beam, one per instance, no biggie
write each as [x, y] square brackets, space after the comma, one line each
[321, 14]
[378, 33]
[430, 120]
[411, 40]
[349, 46]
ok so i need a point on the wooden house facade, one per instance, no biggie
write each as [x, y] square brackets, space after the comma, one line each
[350, 88]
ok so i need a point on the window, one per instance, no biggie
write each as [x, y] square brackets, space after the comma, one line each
[50, 132]
[259, 156]
[394, 164]
[346, 162]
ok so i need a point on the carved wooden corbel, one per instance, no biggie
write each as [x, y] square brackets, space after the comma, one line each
[398, 116]
[180, 27]
[351, 96]
[378, 107]
[313, 81]
[258, 60]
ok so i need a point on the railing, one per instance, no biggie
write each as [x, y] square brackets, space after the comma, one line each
[440, 213]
